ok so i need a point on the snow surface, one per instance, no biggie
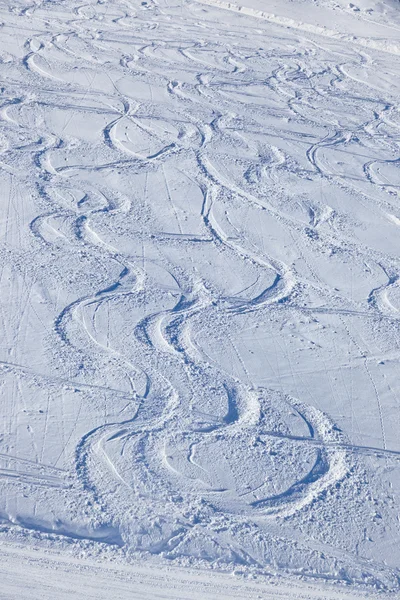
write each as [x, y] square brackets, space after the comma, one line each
[26, 575]
[200, 295]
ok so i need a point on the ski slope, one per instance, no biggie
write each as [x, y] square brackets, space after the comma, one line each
[32, 574]
[200, 293]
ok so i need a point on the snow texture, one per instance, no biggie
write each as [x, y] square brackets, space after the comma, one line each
[200, 289]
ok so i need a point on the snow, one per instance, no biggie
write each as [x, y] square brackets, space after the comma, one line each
[200, 298]
[31, 574]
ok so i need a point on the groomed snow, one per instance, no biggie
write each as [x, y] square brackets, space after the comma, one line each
[27, 574]
[200, 298]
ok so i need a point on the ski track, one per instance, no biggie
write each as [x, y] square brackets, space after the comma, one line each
[194, 174]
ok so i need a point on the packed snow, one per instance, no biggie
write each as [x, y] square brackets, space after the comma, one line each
[200, 297]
